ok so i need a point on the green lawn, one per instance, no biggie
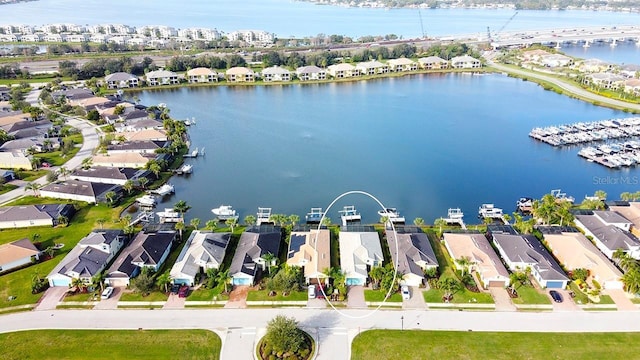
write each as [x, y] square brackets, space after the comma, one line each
[153, 296]
[111, 344]
[460, 297]
[30, 175]
[7, 187]
[263, 295]
[530, 295]
[378, 295]
[203, 294]
[396, 344]
[82, 296]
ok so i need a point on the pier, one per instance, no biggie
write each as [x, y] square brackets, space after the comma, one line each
[584, 132]
[263, 216]
[454, 216]
[613, 155]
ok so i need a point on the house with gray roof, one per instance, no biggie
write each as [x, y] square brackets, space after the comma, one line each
[276, 73]
[147, 249]
[138, 125]
[311, 73]
[360, 250]
[121, 80]
[141, 146]
[522, 251]
[22, 216]
[90, 192]
[610, 232]
[412, 253]
[247, 264]
[162, 77]
[202, 251]
[73, 94]
[88, 258]
[108, 174]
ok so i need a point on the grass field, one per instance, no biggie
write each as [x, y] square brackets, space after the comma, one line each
[203, 294]
[459, 297]
[396, 344]
[378, 295]
[153, 296]
[529, 295]
[110, 344]
[263, 295]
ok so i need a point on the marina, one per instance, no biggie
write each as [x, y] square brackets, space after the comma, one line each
[613, 155]
[585, 132]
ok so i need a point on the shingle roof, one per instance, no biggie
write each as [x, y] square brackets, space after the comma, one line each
[202, 248]
[529, 250]
[77, 187]
[107, 172]
[17, 250]
[253, 244]
[119, 76]
[610, 236]
[413, 248]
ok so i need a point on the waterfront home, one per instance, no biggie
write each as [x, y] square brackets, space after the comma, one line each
[15, 160]
[240, 74]
[147, 249]
[108, 174]
[30, 129]
[575, 251]
[36, 37]
[78, 38]
[162, 77]
[310, 250]
[141, 147]
[343, 70]
[372, 68]
[124, 160]
[138, 125]
[88, 258]
[482, 258]
[402, 65]
[55, 37]
[201, 75]
[630, 70]
[604, 80]
[202, 251]
[275, 73]
[17, 254]
[411, 253]
[249, 259]
[10, 37]
[632, 86]
[556, 60]
[80, 190]
[533, 55]
[146, 134]
[359, 252]
[22, 216]
[108, 113]
[433, 63]
[73, 94]
[522, 251]
[630, 210]
[311, 73]
[609, 231]
[465, 62]
[90, 103]
[100, 38]
[593, 65]
[120, 80]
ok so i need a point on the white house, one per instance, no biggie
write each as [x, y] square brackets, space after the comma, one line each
[359, 252]
[343, 70]
[121, 80]
[17, 254]
[21, 216]
[162, 77]
[79, 190]
[202, 251]
[276, 73]
[610, 232]
[372, 68]
[311, 73]
[108, 175]
[433, 63]
[240, 74]
[201, 75]
[465, 62]
[402, 65]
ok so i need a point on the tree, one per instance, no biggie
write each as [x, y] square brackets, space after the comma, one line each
[580, 274]
[269, 260]
[154, 167]
[33, 186]
[211, 225]
[222, 276]
[144, 282]
[294, 219]
[163, 281]
[101, 222]
[182, 207]
[231, 222]
[465, 263]
[449, 285]
[326, 221]
[86, 163]
[518, 278]
[62, 220]
[600, 194]
[143, 181]
[78, 284]
[284, 336]
[250, 220]
[418, 221]
[98, 280]
[440, 222]
[110, 196]
[376, 274]
[180, 226]
[128, 186]
[507, 218]
[195, 222]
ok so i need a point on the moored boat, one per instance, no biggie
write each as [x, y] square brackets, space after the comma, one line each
[391, 214]
[225, 212]
[163, 190]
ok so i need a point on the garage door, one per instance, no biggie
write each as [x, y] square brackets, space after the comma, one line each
[555, 284]
[61, 282]
[241, 281]
[496, 283]
[182, 282]
[118, 282]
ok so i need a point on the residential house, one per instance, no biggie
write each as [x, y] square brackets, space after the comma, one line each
[630, 70]
[124, 160]
[73, 94]
[17, 254]
[310, 250]
[610, 232]
[146, 134]
[575, 251]
[147, 249]
[411, 253]
[276, 73]
[30, 129]
[605, 80]
[629, 210]
[465, 62]
[372, 68]
[88, 258]
[22, 216]
[521, 252]
[632, 86]
[534, 55]
[36, 37]
[138, 125]
[202, 75]
[311, 73]
[482, 258]
[77, 38]
[248, 261]
[29, 145]
[593, 66]
[433, 63]
[121, 80]
[162, 77]
[240, 74]
[343, 70]
[90, 103]
[15, 161]
[359, 252]
[556, 60]
[140, 147]
[202, 251]
[80, 190]
[108, 175]
[402, 65]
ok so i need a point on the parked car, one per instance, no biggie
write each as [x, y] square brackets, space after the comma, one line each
[406, 294]
[108, 291]
[312, 291]
[556, 296]
[175, 288]
[183, 292]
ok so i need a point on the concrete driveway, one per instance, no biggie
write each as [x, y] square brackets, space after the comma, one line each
[622, 301]
[567, 303]
[51, 298]
[355, 297]
[174, 302]
[112, 302]
[416, 301]
[502, 299]
[238, 297]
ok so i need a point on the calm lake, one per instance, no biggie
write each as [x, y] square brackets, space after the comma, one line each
[422, 143]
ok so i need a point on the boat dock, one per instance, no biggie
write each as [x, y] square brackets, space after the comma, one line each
[585, 132]
[263, 216]
[194, 154]
[613, 155]
[314, 216]
[184, 169]
[455, 216]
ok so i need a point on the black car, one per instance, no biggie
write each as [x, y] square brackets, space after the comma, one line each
[557, 297]
[175, 288]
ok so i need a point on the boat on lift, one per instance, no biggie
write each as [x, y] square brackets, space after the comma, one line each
[147, 200]
[391, 214]
[165, 189]
[225, 212]
[314, 216]
[489, 211]
[349, 214]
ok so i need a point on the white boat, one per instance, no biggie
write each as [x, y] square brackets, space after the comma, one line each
[146, 200]
[560, 196]
[169, 215]
[224, 212]
[349, 213]
[391, 214]
[165, 189]
[314, 216]
[524, 204]
[489, 211]
[455, 214]
[185, 169]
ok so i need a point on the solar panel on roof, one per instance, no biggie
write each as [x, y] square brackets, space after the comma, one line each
[296, 242]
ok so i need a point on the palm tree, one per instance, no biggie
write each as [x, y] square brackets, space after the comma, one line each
[384, 220]
[33, 186]
[418, 221]
[222, 276]
[129, 231]
[211, 225]
[294, 219]
[181, 207]
[110, 196]
[128, 186]
[195, 222]
[231, 222]
[269, 259]
[250, 220]
[154, 167]
[126, 219]
[600, 194]
[78, 284]
[63, 171]
[180, 226]
[626, 196]
[326, 221]
[98, 279]
[506, 218]
[86, 163]
[143, 181]
[101, 222]
[465, 263]
[163, 281]
[376, 274]
[63, 220]
[440, 222]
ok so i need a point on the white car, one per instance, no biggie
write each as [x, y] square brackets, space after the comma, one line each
[406, 294]
[108, 291]
[312, 291]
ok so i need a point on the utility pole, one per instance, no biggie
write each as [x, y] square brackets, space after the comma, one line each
[421, 24]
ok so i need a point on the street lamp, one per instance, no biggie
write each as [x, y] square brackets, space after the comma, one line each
[401, 322]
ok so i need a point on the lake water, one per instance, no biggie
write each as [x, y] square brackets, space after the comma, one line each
[290, 18]
[422, 143]
[623, 53]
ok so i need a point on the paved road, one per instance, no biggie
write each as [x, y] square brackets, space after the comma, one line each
[573, 89]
